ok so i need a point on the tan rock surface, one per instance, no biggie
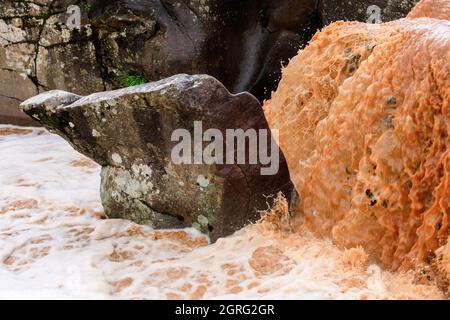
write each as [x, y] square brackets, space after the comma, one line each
[438, 9]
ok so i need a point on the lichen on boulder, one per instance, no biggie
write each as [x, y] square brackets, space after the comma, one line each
[363, 115]
[129, 132]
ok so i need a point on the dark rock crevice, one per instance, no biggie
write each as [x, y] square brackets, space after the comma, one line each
[12, 98]
[171, 220]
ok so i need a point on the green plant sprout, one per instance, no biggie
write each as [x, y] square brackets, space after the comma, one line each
[130, 80]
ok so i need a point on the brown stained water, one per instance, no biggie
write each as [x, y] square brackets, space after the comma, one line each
[363, 119]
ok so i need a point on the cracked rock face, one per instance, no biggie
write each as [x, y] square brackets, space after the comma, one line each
[38, 52]
[129, 132]
[241, 43]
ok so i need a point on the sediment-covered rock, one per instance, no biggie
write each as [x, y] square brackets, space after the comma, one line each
[129, 132]
[363, 115]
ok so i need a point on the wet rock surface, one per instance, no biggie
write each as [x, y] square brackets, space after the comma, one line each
[129, 132]
[241, 43]
[373, 11]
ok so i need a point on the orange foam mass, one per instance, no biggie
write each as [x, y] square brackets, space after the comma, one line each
[363, 120]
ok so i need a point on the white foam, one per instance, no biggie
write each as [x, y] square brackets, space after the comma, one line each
[53, 245]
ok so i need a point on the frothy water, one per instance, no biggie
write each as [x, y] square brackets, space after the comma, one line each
[55, 244]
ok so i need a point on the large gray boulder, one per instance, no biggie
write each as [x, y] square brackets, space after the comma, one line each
[129, 132]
